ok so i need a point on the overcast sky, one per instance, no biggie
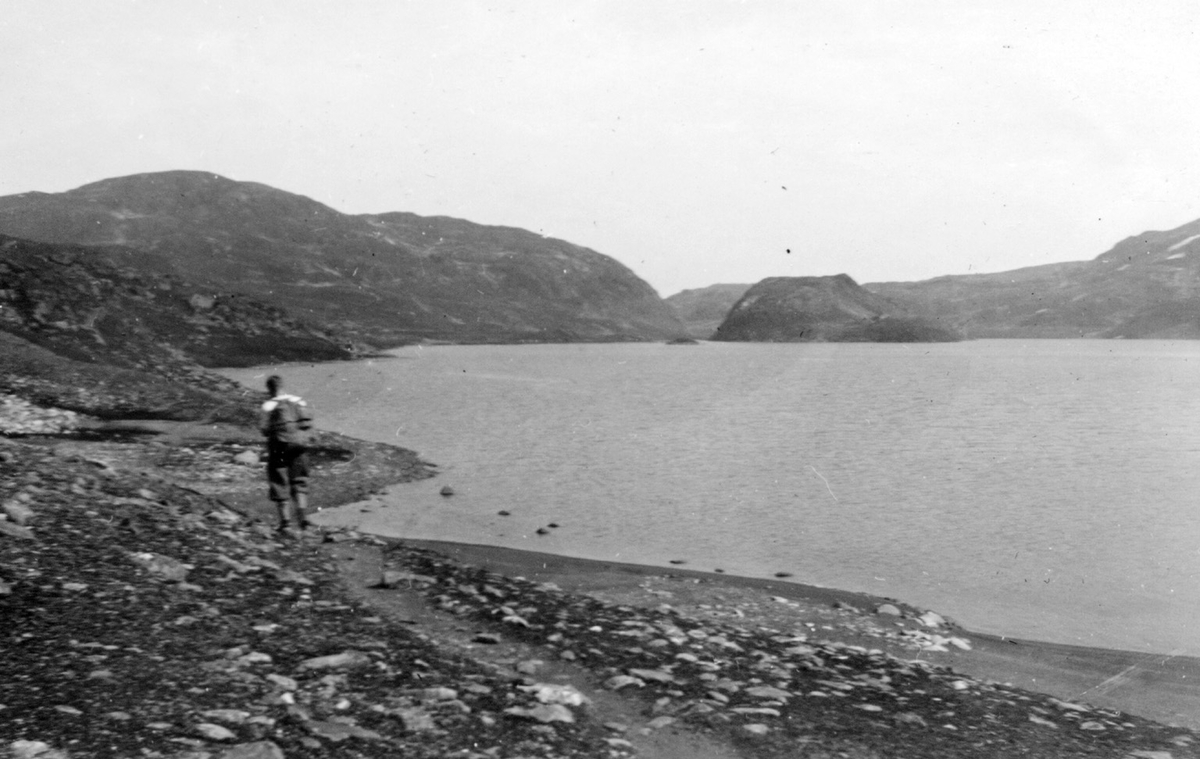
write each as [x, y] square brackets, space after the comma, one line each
[697, 141]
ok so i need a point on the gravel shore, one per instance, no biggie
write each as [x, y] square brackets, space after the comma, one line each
[151, 611]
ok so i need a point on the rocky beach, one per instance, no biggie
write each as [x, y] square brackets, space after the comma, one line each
[151, 610]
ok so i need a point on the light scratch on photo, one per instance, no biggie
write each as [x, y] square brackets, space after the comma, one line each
[835, 498]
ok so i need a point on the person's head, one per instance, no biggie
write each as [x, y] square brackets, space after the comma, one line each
[274, 384]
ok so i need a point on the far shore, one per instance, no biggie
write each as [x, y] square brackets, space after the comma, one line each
[1157, 686]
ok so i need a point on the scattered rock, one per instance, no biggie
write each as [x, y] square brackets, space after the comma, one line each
[247, 458]
[211, 732]
[344, 660]
[18, 512]
[931, 619]
[335, 732]
[446, 490]
[166, 568]
[543, 713]
[256, 750]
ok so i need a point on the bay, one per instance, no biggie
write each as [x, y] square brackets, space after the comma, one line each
[1036, 489]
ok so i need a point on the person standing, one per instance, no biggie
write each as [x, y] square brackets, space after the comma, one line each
[287, 425]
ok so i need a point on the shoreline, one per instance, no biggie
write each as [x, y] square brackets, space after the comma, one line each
[1162, 687]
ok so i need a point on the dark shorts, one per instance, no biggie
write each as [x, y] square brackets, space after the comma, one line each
[287, 470]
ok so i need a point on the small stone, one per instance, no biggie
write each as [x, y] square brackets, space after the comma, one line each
[543, 713]
[446, 490]
[766, 691]
[549, 693]
[247, 458]
[337, 732]
[931, 619]
[530, 666]
[783, 574]
[18, 512]
[653, 674]
[890, 610]
[344, 660]
[622, 681]
[227, 716]
[68, 710]
[164, 567]
[282, 682]
[756, 729]
[256, 750]
[211, 732]
[15, 530]
[415, 720]
[660, 722]
[488, 638]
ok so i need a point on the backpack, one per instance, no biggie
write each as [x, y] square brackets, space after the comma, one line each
[290, 421]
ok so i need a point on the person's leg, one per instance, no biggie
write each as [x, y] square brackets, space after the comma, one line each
[277, 479]
[282, 508]
[298, 479]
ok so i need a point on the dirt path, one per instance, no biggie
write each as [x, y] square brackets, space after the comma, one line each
[360, 567]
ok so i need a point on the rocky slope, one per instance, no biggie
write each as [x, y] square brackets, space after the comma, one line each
[703, 309]
[822, 309]
[386, 279]
[95, 306]
[1147, 286]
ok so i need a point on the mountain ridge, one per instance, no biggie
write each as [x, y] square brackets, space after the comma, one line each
[387, 279]
[1146, 286]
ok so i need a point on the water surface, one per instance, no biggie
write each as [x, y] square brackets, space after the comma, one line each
[1040, 489]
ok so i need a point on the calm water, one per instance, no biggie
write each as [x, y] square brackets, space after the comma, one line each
[1044, 489]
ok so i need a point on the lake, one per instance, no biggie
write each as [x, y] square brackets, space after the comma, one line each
[1036, 489]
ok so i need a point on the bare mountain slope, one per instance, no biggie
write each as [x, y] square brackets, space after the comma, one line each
[1147, 286]
[386, 278]
[704, 308]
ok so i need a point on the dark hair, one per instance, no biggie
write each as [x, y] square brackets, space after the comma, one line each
[274, 382]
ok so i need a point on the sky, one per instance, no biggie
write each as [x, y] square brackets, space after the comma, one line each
[695, 141]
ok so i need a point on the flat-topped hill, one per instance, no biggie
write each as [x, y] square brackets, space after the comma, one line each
[822, 309]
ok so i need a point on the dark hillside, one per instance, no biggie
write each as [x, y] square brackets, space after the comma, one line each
[703, 309]
[822, 309]
[386, 279]
[84, 304]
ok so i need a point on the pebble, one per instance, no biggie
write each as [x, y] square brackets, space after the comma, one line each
[20, 417]
[344, 660]
[256, 750]
[211, 732]
[247, 458]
